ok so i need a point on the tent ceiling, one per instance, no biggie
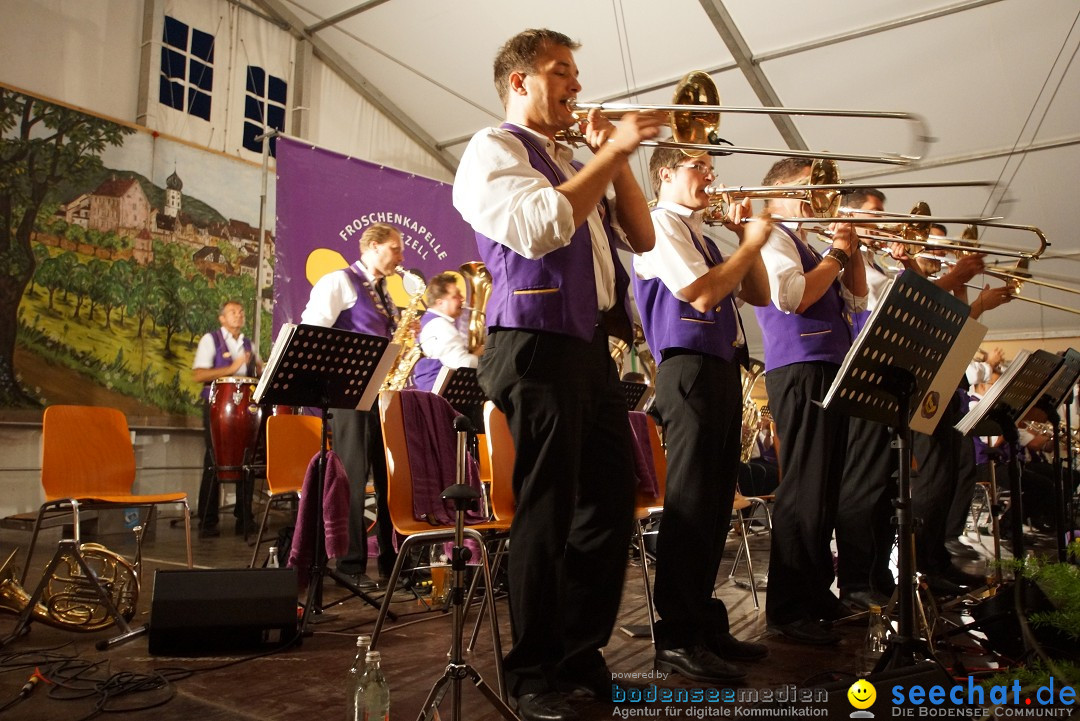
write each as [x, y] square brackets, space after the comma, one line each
[991, 77]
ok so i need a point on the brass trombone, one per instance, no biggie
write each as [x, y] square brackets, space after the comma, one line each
[695, 117]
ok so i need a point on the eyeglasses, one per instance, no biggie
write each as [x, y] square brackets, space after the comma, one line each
[699, 168]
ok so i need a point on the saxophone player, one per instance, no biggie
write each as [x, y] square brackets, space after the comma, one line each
[441, 341]
[356, 299]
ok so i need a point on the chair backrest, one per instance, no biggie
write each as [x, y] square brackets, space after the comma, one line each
[399, 493]
[291, 442]
[86, 452]
[659, 460]
[500, 451]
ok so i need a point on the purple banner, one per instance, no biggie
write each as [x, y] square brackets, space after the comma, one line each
[325, 200]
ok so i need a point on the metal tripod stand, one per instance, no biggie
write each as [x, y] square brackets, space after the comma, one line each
[461, 495]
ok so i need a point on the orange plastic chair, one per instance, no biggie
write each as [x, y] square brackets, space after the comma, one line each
[88, 463]
[399, 500]
[291, 442]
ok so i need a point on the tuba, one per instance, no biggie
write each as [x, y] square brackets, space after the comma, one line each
[407, 333]
[478, 282]
[69, 599]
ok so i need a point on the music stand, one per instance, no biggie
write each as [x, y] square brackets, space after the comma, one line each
[325, 368]
[1047, 401]
[998, 412]
[910, 345]
[461, 389]
[637, 394]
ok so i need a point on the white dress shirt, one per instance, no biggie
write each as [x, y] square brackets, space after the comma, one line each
[502, 196]
[205, 353]
[331, 295]
[440, 339]
[786, 280]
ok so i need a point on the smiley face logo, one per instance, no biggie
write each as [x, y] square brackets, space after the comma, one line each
[862, 694]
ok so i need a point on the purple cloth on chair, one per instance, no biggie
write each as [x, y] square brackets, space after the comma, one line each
[644, 470]
[431, 442]
[335, 512]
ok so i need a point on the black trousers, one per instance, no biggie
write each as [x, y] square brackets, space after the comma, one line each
[358, 440]
[813, 443]
[699, 400]
[864, 528]
[573, 483]
[933, 488]
[965, 489]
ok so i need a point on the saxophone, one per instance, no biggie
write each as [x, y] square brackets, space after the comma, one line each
[407, 334]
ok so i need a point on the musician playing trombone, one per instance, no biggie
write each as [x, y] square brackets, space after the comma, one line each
[807, 330]
[547, 228]
[685, 291]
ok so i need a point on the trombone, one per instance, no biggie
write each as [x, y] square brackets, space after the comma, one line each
[695, 118]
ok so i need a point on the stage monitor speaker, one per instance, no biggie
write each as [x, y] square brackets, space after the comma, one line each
[205, 611]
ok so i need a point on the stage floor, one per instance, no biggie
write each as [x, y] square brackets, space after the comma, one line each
[308, 681]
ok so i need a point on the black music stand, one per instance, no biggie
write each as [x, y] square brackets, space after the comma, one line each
[461, 389]
[637, 394]
[998, 412]
[896, 360]
[325, 368]
[1048, 400]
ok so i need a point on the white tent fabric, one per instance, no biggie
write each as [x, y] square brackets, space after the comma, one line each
[406, 83]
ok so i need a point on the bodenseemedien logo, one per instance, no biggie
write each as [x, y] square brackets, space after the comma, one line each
[862, 695]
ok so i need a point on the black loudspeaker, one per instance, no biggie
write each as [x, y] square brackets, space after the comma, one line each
[206, 611]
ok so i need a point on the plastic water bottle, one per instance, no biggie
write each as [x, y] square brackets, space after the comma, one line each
[877, 637]
[373, 699]
[352, 679]
[272, 559]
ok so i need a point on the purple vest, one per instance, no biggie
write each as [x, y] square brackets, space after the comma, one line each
[672, 323]
[426, 369]
[223, 358]
[557, 292]
[364, 316]
[821, 333]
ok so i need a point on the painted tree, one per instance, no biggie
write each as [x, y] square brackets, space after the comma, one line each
[40, 145]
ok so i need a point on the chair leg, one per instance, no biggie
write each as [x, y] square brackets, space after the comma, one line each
[640, 533]
[744, 549]
[187, 531]
[262, 529]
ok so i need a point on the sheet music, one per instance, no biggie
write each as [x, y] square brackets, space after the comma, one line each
[285, 334]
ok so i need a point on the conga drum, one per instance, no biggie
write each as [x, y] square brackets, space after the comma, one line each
[234, 424]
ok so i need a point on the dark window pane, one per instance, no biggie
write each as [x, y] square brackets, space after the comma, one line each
[277, 90]
[171, 94]
[199, 104]
[251, 131]
[202, 45]
[256, 80]
[253, 109]
[275, 116]
[172, 64]
[201, 76]
[175, 33]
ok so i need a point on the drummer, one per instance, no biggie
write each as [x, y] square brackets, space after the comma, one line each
[221, 354]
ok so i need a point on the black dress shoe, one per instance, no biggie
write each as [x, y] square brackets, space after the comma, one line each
[240, 524]
[962, 579]
[362, 581]
[730, 648]
[592, 684]
[942, 587]
[209, 532]
[959, 549]
[547, 706]
[699, 664]
[805, 630]
[832, 609]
